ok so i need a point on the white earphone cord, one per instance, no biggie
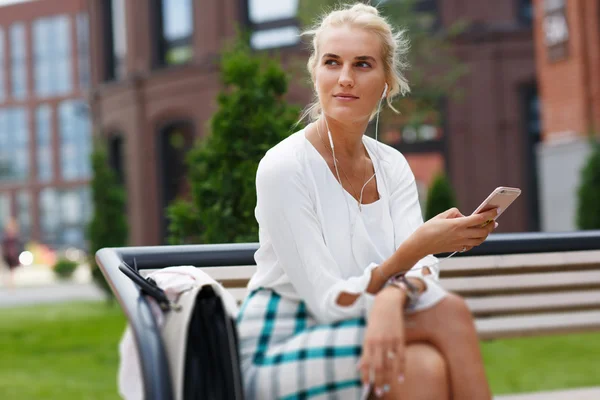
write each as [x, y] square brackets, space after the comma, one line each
[374, 171]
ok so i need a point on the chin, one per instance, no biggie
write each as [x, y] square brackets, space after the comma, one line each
[346, 114]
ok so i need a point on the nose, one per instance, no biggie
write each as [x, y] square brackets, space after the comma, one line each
[346, 78]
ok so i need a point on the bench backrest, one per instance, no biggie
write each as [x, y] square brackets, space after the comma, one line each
[511, 295]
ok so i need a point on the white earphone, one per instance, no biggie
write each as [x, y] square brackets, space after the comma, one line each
[385, 88]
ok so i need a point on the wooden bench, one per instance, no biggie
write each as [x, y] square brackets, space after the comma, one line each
[515, 284]
[511, 295]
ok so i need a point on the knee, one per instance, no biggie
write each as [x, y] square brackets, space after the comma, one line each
[430, 366]
[456, 308]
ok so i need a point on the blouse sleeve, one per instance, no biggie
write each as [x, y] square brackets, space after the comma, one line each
[285, 210]
[406, 212]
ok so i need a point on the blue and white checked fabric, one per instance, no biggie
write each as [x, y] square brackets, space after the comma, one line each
[286, 355]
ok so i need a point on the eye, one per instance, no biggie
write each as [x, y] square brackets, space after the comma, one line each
[331, 62]
[363, 64]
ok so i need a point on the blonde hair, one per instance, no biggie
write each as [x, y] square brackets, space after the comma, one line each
[394, 47]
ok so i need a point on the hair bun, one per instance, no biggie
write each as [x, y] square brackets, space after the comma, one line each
[364, 8]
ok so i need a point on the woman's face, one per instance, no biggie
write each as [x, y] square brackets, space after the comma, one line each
[349, 75]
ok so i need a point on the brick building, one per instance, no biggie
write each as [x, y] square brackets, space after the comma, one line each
[45, 136]
[154, 79]
[567, 44]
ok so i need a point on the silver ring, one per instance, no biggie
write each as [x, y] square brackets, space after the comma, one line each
[391, 355]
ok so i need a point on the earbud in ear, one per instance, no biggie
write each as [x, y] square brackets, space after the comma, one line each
[385, 88]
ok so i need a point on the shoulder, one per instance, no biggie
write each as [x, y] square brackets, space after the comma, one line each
[283, 161]
[391, 160]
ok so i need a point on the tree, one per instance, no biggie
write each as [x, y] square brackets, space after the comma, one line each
[433, 68]
[440, 197]
[588, 208]
[251, 118]
[108, 227]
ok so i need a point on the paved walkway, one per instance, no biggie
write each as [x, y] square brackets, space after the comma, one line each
[37, 284]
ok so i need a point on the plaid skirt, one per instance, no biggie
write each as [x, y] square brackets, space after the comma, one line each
[286, 354]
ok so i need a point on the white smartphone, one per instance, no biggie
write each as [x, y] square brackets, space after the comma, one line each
[501, 198]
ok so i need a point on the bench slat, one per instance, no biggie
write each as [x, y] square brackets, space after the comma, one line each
[527, 283]
[534, 303]
[535, 325]
[520, 263]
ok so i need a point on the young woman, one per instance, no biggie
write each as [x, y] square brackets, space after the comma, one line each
[345, 301]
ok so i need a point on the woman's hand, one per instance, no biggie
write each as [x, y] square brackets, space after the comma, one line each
[383, 357]
[452, 231]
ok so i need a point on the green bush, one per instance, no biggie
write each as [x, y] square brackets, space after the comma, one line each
[108, 227]
[64, 268]
[588, 208]
[252, 117]
[440, 197]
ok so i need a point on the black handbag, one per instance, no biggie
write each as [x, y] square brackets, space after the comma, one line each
[212, 369]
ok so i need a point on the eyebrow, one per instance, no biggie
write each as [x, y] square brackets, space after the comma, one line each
[359, 58]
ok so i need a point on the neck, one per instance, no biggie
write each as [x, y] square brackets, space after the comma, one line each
[347, 137]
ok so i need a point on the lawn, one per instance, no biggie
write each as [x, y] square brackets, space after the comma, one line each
[66, 351]
[69, 351]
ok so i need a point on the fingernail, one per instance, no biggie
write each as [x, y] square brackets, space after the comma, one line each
[499, 211]
[365, 390]
[401, 378]
[495, 224]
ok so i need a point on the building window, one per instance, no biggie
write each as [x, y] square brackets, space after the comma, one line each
[525, 10]
[14, 145]
[43, 123]
[119, 38]
[52, 56]
[49, 216]
[115, 49]
[273, 24]
[176, 27]
[4, 209]
[116, 148]
[2, 89]
[64, 215]
[75, 216]
[75, 140]
[24, 214]
[174, 141]
[18, 53]
[83, 49]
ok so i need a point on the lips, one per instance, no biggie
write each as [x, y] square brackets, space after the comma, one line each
[345, 96]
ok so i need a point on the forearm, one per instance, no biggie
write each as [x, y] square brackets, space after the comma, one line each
[403, 259]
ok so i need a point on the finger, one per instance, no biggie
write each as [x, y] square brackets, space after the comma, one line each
[364, 366]
[378, 368]
[481, 218]
[477, 233]
[401, 362]
[453, 213]
[390, 361]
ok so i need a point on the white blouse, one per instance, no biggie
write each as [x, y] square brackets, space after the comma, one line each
[314, 241]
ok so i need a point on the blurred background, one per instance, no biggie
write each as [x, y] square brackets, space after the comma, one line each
[141, 122]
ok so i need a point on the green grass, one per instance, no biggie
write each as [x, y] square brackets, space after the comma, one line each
[542, 363]
[66, 351]
[69, 351]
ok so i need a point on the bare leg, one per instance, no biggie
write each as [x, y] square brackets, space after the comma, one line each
[426, 375]
[450, 328]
